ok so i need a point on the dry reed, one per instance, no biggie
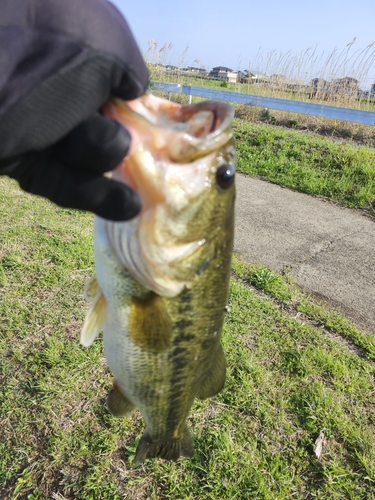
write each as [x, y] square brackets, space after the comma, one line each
[332, 78]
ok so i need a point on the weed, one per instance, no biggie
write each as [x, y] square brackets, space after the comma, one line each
[292, 123]
[311, 164]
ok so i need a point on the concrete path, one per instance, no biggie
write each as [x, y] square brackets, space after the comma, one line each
[328, 250]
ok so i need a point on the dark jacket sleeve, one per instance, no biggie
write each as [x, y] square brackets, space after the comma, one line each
[60, 60]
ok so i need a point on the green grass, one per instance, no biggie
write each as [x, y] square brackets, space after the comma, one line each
[294, 369]
[315, 165]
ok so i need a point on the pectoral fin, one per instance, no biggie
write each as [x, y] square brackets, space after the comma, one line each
[215, 378]
[117, 403]
[94, 319]
[91, 289]
[150, 326]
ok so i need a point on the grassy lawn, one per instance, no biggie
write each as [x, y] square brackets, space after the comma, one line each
[294, 369]
[312, 164]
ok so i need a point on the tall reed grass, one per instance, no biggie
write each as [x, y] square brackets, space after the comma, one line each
[342, 77]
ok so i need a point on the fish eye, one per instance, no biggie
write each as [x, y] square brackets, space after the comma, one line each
[225, 176]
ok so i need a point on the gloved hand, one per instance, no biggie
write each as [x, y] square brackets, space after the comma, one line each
[60, 61]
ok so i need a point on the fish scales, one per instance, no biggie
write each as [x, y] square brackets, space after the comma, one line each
[162, 279]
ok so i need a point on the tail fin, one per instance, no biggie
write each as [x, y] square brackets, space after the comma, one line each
[172, 449]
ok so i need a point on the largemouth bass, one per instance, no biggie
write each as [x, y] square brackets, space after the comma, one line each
[161, 283]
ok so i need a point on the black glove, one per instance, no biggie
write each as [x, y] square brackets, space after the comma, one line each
[59, 62]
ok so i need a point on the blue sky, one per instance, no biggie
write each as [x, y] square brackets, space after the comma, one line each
[240, 33]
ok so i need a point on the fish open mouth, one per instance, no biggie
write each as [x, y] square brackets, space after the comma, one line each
[201, 120]
[190, 131]
[213, 115]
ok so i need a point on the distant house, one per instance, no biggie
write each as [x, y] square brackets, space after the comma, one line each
[326, 90]
[219, 68]
[241, 76]
[229, 76]
[319, 89]
[372, 89]
[319, 83]
[219, 73]
[253, 76]
[195, 69]
[346, 85]
[226, 74]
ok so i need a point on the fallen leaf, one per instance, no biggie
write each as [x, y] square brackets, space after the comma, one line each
[319, 444]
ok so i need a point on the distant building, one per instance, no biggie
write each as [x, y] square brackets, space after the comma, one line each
[319, 83]
[220, 68]
[346, 85]
[219, 73]
[253, 76]
[326, 90]
[241, 76]
[194, 69]
[226, 74]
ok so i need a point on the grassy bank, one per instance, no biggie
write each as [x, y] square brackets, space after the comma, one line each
[315, 165]
[321, 165]
[294, 370]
